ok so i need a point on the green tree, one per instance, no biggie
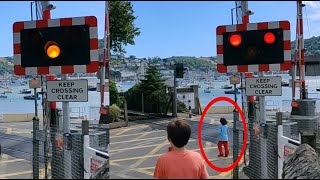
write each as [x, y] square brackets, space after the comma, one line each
[5, 68]
[154, 93]
[115, 75]
[114, 94]
[122, 28]
[152, 81]
[181, 107]
[133, 97]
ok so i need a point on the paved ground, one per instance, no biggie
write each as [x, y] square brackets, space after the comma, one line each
[14, 168]
[15, 141]
[16, 147]
[134, 150]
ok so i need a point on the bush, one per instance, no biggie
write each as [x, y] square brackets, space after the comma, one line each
[115, 113]
[181, 107]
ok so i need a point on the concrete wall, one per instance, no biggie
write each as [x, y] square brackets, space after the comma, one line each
[27, 117]
[221, 110]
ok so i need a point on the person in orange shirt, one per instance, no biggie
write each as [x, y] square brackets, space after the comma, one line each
[178, 162]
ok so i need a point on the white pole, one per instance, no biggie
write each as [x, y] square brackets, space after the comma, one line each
[86, 158]
[280, 151]
[66, 130]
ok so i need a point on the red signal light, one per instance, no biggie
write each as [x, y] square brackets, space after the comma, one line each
[235, 39]
[269, 38]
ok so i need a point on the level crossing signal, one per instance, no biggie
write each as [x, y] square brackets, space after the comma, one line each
[56, 46]
[254, 47]
[179, 70]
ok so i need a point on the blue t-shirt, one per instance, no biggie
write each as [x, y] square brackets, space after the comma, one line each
[223, 135]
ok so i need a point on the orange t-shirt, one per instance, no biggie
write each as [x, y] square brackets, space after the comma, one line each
[181, 165]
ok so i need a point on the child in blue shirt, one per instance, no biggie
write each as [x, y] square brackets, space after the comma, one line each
[223, 138]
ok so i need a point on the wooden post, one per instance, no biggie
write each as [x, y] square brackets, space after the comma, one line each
[125, 109]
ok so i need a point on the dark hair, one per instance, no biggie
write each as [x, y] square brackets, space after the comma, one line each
[223, 121]
[179, 132]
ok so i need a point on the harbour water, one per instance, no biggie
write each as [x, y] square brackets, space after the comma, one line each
[14, 103]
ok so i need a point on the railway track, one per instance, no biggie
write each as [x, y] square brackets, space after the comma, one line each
[19, 147]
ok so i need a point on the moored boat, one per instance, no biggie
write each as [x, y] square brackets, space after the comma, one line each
[25, 91]
[31, 97]
[231, 92]
[226, 87]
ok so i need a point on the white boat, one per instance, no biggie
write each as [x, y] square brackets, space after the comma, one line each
[210, 85]
[25, 91]
[7, 90]
[226, 87]
[3, 95]
[207, 90]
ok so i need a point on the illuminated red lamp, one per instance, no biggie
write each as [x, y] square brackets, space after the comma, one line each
[269, 38]
[235, 39]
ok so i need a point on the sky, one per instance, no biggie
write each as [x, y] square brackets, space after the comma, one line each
[185, 28]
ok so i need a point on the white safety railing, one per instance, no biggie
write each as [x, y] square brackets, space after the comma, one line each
[94, 112]
[94, 160]
[272, 105]
[77, 112]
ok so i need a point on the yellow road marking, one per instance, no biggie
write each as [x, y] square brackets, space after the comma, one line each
[122, 132]
[152, 152]
[134, 140]
[223, 175]
[15, 174]
[122, 173]
[155, 155]
[9, 131]
[136, 134]
[139, 147]
[147, 168]
[213, 159]
[145, 172]
[13, 160]
[124, 176]
[130, 127]
[140, 137]
[213, 121]
[161, 122]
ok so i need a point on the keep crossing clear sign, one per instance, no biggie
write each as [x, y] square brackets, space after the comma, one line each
[67, 91]
[264, 86]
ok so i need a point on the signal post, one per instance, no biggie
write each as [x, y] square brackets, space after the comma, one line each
[57, 46]
[254, 47]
